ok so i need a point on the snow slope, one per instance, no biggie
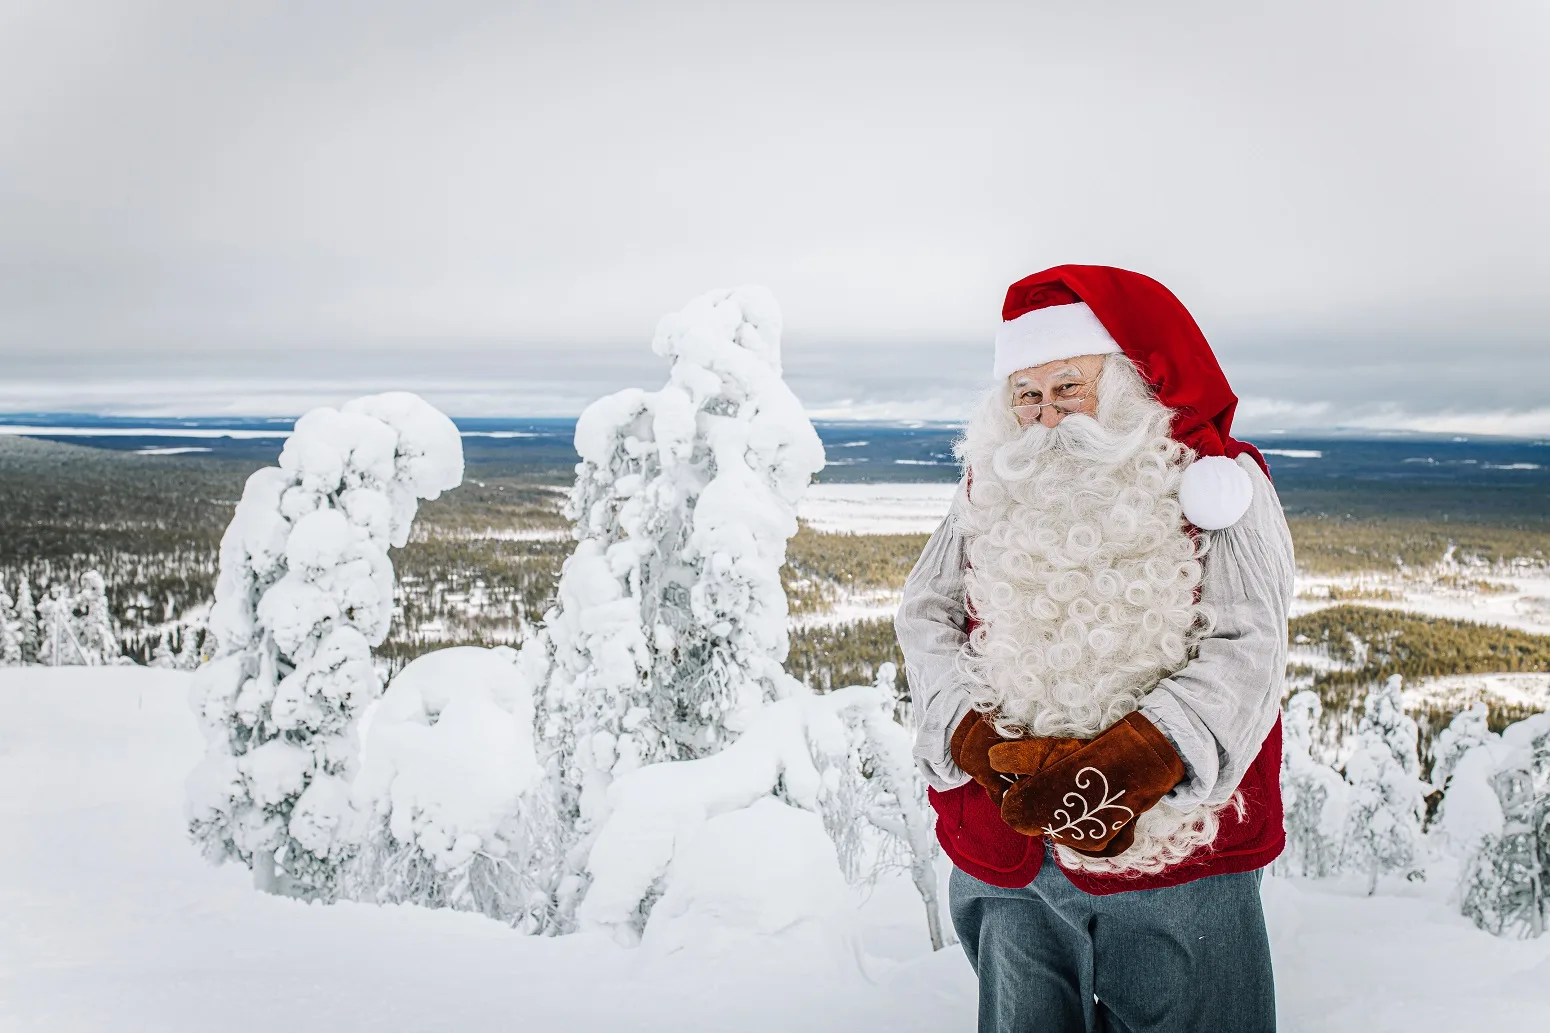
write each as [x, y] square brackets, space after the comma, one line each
[109, 922]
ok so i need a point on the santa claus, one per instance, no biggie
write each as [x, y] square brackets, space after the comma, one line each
[1095, 641]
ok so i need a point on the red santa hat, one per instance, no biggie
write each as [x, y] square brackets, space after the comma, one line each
[1073, 310]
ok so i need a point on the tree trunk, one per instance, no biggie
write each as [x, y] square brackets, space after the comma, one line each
[263, 872]
[923, 873]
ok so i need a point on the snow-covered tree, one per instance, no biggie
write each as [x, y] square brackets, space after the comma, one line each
[162, 656]
[10, 632]
[1383, 822]
[1314, 795]
[189, 656]
[59, 638]
[670, 627]
[1505, 887]
[305, 590]
[76, 628]
[27, 616]
[94, 621]
[1384, 713]
[1470, 809]
[873, 800]
[1467, 730]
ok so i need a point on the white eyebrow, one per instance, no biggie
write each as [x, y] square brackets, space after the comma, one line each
[1070, 372]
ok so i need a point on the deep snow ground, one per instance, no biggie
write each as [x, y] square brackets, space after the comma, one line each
[109, 921]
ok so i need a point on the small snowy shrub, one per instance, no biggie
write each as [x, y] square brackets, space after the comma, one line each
[1314, 795]
[873, 799]
[670, 626]
[1505, 886]
[1383, 822]
[305, 590]
[447, 784]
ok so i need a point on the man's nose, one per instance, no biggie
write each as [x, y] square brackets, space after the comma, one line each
[1050, 415]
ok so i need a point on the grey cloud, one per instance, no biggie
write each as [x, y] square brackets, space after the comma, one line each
[392, 191]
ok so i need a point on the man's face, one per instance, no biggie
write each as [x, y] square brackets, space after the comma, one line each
[1047, 394]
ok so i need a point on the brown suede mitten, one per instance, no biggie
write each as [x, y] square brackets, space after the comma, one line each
[970, 748]
[976, 736]
[1023, 757]
[1092, 795]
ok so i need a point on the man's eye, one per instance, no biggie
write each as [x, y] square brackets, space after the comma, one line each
[1067, 389]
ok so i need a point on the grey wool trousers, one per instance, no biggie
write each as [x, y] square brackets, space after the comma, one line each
[1052, 959]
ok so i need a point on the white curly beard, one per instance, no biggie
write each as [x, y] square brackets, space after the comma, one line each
[1083, 580]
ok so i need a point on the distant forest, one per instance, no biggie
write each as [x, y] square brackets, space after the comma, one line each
[485, 558]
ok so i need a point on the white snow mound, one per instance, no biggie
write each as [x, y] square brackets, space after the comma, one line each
[765, 870]
[449, 751]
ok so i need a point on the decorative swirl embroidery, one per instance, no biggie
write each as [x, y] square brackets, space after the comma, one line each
[1098, 826]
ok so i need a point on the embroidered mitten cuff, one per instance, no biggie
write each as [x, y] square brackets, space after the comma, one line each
[1089, 797]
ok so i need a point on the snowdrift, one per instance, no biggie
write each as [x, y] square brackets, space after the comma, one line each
[113, 923]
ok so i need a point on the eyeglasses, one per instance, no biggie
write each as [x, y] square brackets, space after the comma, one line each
[1030, 412]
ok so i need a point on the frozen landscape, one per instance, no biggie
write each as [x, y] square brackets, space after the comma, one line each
[721, 835]
[387, 643]
[113, 923]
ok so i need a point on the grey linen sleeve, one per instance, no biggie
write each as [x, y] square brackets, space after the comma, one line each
[930, 627]
[1218, 709]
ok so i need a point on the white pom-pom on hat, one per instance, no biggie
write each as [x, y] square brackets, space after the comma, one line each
[1215, 493]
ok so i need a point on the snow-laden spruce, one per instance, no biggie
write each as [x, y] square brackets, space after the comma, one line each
[1314, 795]
[68, 628]
[97, 636]
[670, 627]
[177, 648]
[27, 616]
[1500, 795]
[305, 590]
[1383, 820]
[1468, 729]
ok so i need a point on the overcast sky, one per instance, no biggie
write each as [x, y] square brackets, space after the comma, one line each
[252, 207]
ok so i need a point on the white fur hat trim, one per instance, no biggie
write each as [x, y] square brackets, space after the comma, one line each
[1215, 493]
[1048, 335]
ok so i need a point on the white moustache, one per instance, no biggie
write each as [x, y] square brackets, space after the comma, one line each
[1078, 439]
